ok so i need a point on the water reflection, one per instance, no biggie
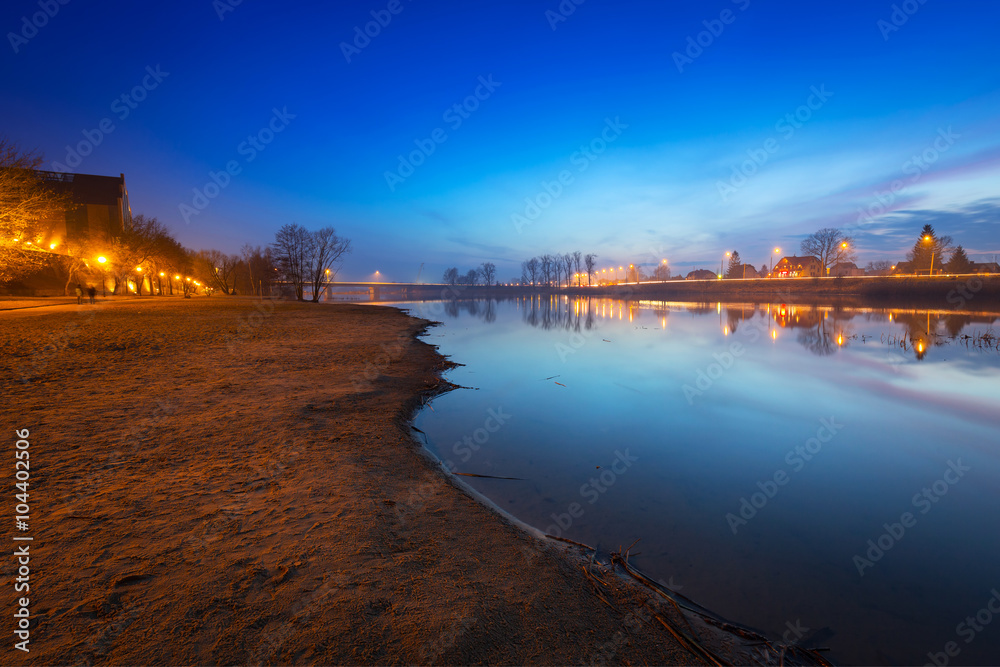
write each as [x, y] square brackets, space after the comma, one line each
[819, 329]
[714, 400]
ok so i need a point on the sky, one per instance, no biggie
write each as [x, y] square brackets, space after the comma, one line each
[440, 133]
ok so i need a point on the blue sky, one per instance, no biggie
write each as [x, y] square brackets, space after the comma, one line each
[646, 140]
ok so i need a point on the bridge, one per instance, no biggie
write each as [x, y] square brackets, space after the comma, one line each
[377, 289]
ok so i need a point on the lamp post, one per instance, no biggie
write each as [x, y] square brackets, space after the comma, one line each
[928, 239]
[104, 278]
[721, 261]
[630, 271]
[776, 251]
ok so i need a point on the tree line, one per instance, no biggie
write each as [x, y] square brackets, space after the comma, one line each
[145, 255]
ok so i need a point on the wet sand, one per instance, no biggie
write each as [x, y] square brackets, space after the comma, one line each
[220, 481]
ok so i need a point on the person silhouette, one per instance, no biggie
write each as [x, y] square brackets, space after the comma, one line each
[91, 292]
[79, 294]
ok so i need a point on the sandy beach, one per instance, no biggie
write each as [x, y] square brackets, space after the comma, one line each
[221, 481]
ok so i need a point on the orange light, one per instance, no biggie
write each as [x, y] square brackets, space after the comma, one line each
[920, 347]
[139, 269]
[102, 260]
[774, 334]
[52, 246]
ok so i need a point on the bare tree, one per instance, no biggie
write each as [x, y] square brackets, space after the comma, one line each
[591, 261]
[327, 250]
[26, 203]
[830, 246]
[293, 252]
[450, 276]
[577, 256]
[879, 268]
[133, 251]
[218, 268]
[472, 277]
[568, 262]
[488, 270]
[530, 270]
[662, 272]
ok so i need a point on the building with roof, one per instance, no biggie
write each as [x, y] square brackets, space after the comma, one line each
[798, 267]
[99, 211]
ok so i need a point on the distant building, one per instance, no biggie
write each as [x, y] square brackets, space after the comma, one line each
[99, 212]
[902, 269]
[846, 269]
[747, 271]
[798, 267]
[702, 274]
[985, 267]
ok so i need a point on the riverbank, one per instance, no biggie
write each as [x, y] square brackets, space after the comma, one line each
[224, 481]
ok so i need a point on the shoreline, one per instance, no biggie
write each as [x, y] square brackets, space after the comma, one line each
[232, 481]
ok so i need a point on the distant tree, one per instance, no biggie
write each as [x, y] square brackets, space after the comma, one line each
[568, 264]
[929, 250]
[547, 269]
[218, 268]
[662, 272]
[471, 278]
[590, 261]
[959, 262]
[26, 204]
[577, 257]
[450, 276]
[293, 252]
[135, 249]
[830, 246]
[327, 250]
[531, 269]
[735, 268]
[260, 269]
[878, 268]
[488, 270]
[763, 270]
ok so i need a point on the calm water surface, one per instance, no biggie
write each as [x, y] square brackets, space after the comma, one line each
[784, 466]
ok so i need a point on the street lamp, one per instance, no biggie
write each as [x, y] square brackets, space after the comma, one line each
[777, 251]
[630, 271]
[720, 266]
[929, 239]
